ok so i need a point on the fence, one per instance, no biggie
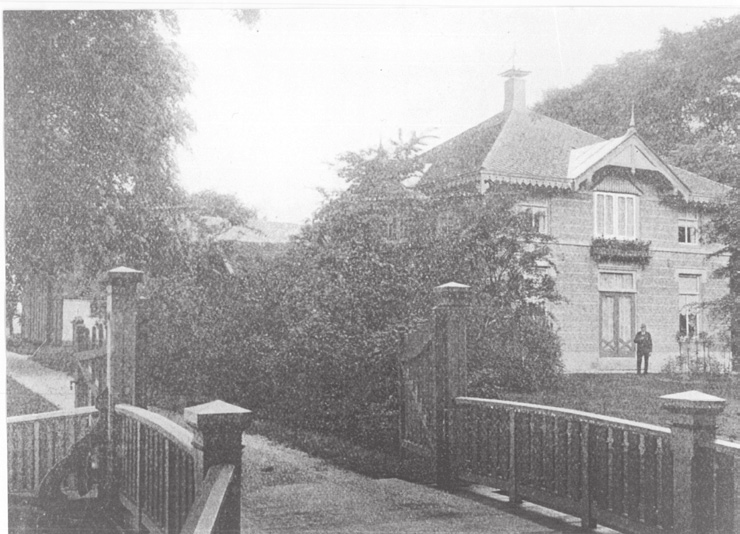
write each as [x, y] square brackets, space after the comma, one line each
[722, 512]
[418, 380]
[156, 477]
[37, 442]
[170, 479]
[630, 476]
[614, 472]
[91, 376]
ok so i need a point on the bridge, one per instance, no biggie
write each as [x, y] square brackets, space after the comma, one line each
[117, 466]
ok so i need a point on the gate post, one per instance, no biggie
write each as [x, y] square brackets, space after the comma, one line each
[452, 301]
[217, 438]
[693, 430]
[122, 307]
[121, 361]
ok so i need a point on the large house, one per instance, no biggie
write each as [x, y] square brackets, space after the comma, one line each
[626, 226]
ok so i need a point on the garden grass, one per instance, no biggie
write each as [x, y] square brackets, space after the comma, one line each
[337, 451]
[636, 397]
[23, 401]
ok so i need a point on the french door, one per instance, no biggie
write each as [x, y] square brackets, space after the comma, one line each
[617, 325]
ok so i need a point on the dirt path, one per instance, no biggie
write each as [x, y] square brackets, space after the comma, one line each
[286, 491]
[54, 386]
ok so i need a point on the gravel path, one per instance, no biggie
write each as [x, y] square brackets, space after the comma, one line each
[53, 385]
[287, 491]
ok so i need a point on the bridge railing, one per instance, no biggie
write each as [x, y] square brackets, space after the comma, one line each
[611, 471]
[722, 513]
[211, 503]
[170, 479]
[630, 476]
[37, 442]
[156, 478]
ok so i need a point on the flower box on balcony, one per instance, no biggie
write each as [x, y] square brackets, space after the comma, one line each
[620, 251]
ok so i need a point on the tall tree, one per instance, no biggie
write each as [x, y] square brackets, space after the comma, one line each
[364, 269]
[93, 110]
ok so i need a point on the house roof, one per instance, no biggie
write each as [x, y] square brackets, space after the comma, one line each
[260, 231]
[384, 189]
[702, 189]
[524, 147]
[533, 145]
[463, 154]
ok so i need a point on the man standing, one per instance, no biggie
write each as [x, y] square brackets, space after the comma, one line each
[644, 344]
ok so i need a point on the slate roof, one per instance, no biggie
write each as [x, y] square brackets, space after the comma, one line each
[463, 154]
[702, 189]
[534, 145]
[522, 146]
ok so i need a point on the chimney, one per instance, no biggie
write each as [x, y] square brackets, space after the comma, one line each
[514, 97]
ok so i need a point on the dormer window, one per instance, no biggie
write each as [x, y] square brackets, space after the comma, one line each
[615, 215]
[688, 230]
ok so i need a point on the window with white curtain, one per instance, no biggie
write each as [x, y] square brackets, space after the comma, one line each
[615, 215]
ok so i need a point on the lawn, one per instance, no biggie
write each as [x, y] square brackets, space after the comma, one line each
[636, 397]
[23, 401]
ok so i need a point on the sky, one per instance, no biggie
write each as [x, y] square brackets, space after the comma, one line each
[275, 103]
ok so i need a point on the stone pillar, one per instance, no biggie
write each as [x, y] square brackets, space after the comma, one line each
[693, 430]
[218, 428]
[122, 306]
[452, 301]
[121, 361]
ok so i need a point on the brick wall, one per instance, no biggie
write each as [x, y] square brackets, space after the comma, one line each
[656, 297]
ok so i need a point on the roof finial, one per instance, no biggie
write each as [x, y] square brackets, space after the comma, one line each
[632, 118]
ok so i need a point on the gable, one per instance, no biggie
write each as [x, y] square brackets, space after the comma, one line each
[628, 151]
[612, 184]
[522, 147]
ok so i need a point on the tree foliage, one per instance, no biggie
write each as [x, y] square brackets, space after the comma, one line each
[92, 114]
[313, 335]
[686, 95]
[363, 278]
[213, 204]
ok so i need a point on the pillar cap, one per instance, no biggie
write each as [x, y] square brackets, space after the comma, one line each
[693, 403]
[452, 294]
[451, 285]
[217, 413]
[125, 274]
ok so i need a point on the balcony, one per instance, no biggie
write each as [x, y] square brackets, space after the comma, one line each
[613, 250]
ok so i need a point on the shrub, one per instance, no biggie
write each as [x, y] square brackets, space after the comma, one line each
[521, 355]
